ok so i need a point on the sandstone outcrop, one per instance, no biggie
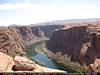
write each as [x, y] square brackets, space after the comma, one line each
[95, 67]
[23, 64]
[10, 42]
[79, 42]
[6, 62]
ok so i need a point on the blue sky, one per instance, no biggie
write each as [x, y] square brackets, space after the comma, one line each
[26, 12]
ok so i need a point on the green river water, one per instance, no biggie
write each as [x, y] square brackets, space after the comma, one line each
[35, 53]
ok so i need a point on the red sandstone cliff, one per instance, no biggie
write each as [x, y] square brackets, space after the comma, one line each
[31, 34]
[10, 42]
[82, 43]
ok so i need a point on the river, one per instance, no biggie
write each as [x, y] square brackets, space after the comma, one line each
[41, 57]
[35, 52]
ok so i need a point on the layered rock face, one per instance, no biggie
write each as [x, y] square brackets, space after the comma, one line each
[79, 42]
[10, 42]
[48, 30]
[29, 33]
[37, 31]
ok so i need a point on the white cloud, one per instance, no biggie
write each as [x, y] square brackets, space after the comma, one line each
[34, 13]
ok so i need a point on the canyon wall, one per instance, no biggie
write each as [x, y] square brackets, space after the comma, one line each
[30, 34]
[13, 41]
[48, 30]
[10, 42]
[82, 43]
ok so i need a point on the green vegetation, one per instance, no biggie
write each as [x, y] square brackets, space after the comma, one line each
[72, 68]
[39, 48]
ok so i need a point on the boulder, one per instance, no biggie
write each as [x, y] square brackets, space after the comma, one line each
[23, 64]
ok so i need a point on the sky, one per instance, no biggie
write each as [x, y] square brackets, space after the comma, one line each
[25, 12]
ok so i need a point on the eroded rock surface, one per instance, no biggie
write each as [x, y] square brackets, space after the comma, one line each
[95, 66]
[6, 62]
[23, 64]
[10, 42]
[79, 42]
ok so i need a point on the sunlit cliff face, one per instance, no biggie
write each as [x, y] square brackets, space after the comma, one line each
[96, 66]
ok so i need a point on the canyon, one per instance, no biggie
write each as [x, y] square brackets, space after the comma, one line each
[13, 41]
[74, 44]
